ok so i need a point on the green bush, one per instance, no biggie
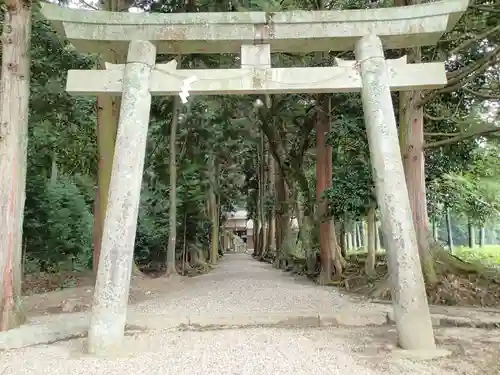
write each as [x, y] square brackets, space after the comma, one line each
[152, 226]
[57, 226]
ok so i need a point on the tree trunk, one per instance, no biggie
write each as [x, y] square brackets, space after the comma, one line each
[53, 170]
[381, 234]
[280, 196]
[411, 127]
[255, 232]
[172, 210]
[323, 182]
[305, 222]
[220, 251]
[472, 235]
[271, 220]
[262, 187]
[257, 229]
[108, 109]
[184, 245]
[448, 229]
[365, 234]
[336, 254]
[371, 226]
[481, 236]
[349, 237]
[412, 142]
[435, 229]
[357, 239]
[197, 257]
[353, 234]
[108, 112]
[282, 218]
[343, 240]
[15, 92]
[348, 234]
[378, 244]
[213, 211]
[362, 235]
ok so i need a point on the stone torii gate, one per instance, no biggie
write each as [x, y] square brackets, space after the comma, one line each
[254, 35]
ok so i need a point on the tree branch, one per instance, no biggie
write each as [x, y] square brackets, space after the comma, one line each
[275, 146]
[83, 2]
[289, 161]
[473, 40]
[465, 75]
[487, 60]
[300, 147]
[439, 118]
[441, 134]
[493, 8]
[443, 118]
[481, 95]
[462, 137]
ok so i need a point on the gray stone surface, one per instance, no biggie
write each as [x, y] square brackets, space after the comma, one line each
[343, 78]
[109, 309]
[255, 56]
[45, 330]
[241, 291]
[234, 352]
[409, 298]
[293, 31]
[420, 354]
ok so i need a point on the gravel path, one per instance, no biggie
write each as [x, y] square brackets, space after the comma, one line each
[240, 285]
[232, 352]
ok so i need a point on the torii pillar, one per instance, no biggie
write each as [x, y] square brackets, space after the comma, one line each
[109, 308]
[411, 311]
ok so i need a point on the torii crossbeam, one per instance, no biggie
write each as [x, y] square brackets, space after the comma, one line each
[166, 80]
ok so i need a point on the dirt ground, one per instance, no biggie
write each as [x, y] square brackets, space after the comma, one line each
[452, 290]
[68, 292]
[473, 351]
[73, 292]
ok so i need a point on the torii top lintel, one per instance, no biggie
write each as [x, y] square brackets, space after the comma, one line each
[292, 31]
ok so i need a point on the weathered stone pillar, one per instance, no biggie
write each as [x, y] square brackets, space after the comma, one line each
[109, 310]
[411, 312]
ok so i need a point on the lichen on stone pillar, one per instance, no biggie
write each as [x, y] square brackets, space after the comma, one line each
[411, 312]
[109, 310]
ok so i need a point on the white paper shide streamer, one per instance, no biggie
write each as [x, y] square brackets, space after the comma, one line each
[186, 86]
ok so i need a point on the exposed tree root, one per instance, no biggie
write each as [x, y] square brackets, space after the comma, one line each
[14, 317]
[135, 270]
[448, 263]
[460, 283]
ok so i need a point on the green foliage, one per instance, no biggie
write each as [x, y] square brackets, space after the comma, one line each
[474, 192]
[352, 184]
[57, 224]
[58, 221]
[488, 255]
[58, 218]
[151, 239]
